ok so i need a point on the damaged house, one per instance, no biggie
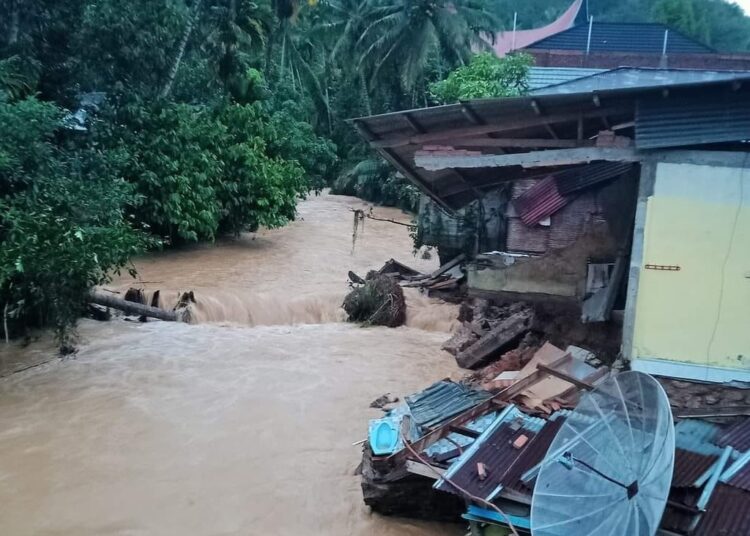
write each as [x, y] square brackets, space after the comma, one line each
[623, 195]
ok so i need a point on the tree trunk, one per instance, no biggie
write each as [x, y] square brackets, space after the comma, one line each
[181, 50]
[15, 22]
[365, 94]
[132, 308]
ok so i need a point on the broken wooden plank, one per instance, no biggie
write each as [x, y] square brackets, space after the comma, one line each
[131, 308]
[448, 265]
[496, 339]
[418, 468]
[565, 377]
[533, 159]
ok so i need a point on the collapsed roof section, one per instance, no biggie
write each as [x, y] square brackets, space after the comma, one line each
[456, 153]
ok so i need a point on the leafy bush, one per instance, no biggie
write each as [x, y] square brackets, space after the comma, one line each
[485, 76]
[200, 172]
[62, 222]
[174, 168]
[374, 180]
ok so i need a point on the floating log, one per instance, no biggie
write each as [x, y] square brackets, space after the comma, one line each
[132, 308]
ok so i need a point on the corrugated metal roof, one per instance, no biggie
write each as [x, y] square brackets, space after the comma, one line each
[622, 37]
[580, 178]
[441, 401]
[726, 513]
[531, 456]
[697, 436]
[494, 448]
[631, 77]
[736, 436]
[689, 467]
[540, 201]
[680, 122]
[542, 77]
[742, 479]
[399, 135]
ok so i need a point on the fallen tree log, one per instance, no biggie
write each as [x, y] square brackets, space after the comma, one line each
[132, 308]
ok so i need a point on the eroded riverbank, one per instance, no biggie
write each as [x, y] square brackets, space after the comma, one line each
[222, 428]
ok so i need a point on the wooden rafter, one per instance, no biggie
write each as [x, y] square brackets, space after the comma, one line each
[449, 136]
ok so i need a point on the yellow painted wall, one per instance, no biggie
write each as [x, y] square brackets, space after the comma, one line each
[699, 220]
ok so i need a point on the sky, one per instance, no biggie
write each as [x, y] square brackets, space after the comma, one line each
[744, 4]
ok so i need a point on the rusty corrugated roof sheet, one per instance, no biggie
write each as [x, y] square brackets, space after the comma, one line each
[540, 201]
[726, 513]
[736, 436]
[742, 479]
[689, 467]
[497, 453]
[441, 401]
[495, 449]
[580, 178]
[531, 456]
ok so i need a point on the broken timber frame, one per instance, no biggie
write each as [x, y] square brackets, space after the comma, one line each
[506, 126]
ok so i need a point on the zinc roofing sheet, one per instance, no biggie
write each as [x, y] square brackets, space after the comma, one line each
[726, 513]
[540, 201]
[441, 401]
[736, 436]
[689, 467]
[495, 449]
[531, 456]
[577, 179]
[742, 479]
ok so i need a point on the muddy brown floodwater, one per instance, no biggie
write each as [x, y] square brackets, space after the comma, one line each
[240, 425]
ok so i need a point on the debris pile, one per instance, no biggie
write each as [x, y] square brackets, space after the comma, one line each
[432, 431]
[473, 449]
[379, 302]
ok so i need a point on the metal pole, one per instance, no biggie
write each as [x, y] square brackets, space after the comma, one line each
[666, 40]
[591, 27]
[515, 21]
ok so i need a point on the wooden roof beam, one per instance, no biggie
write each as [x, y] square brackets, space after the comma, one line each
[414, 124]
[449, 136]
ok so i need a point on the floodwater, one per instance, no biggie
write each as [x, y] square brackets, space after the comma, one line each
[240, 425]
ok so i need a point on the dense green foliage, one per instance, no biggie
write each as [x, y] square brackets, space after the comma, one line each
[62, 221]
[485, 76]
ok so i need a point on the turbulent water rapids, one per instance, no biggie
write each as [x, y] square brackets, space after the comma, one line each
[242, 424]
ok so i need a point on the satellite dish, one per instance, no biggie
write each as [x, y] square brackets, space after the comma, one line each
[609, 469]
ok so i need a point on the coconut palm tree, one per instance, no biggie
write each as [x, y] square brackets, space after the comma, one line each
[406, 34]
